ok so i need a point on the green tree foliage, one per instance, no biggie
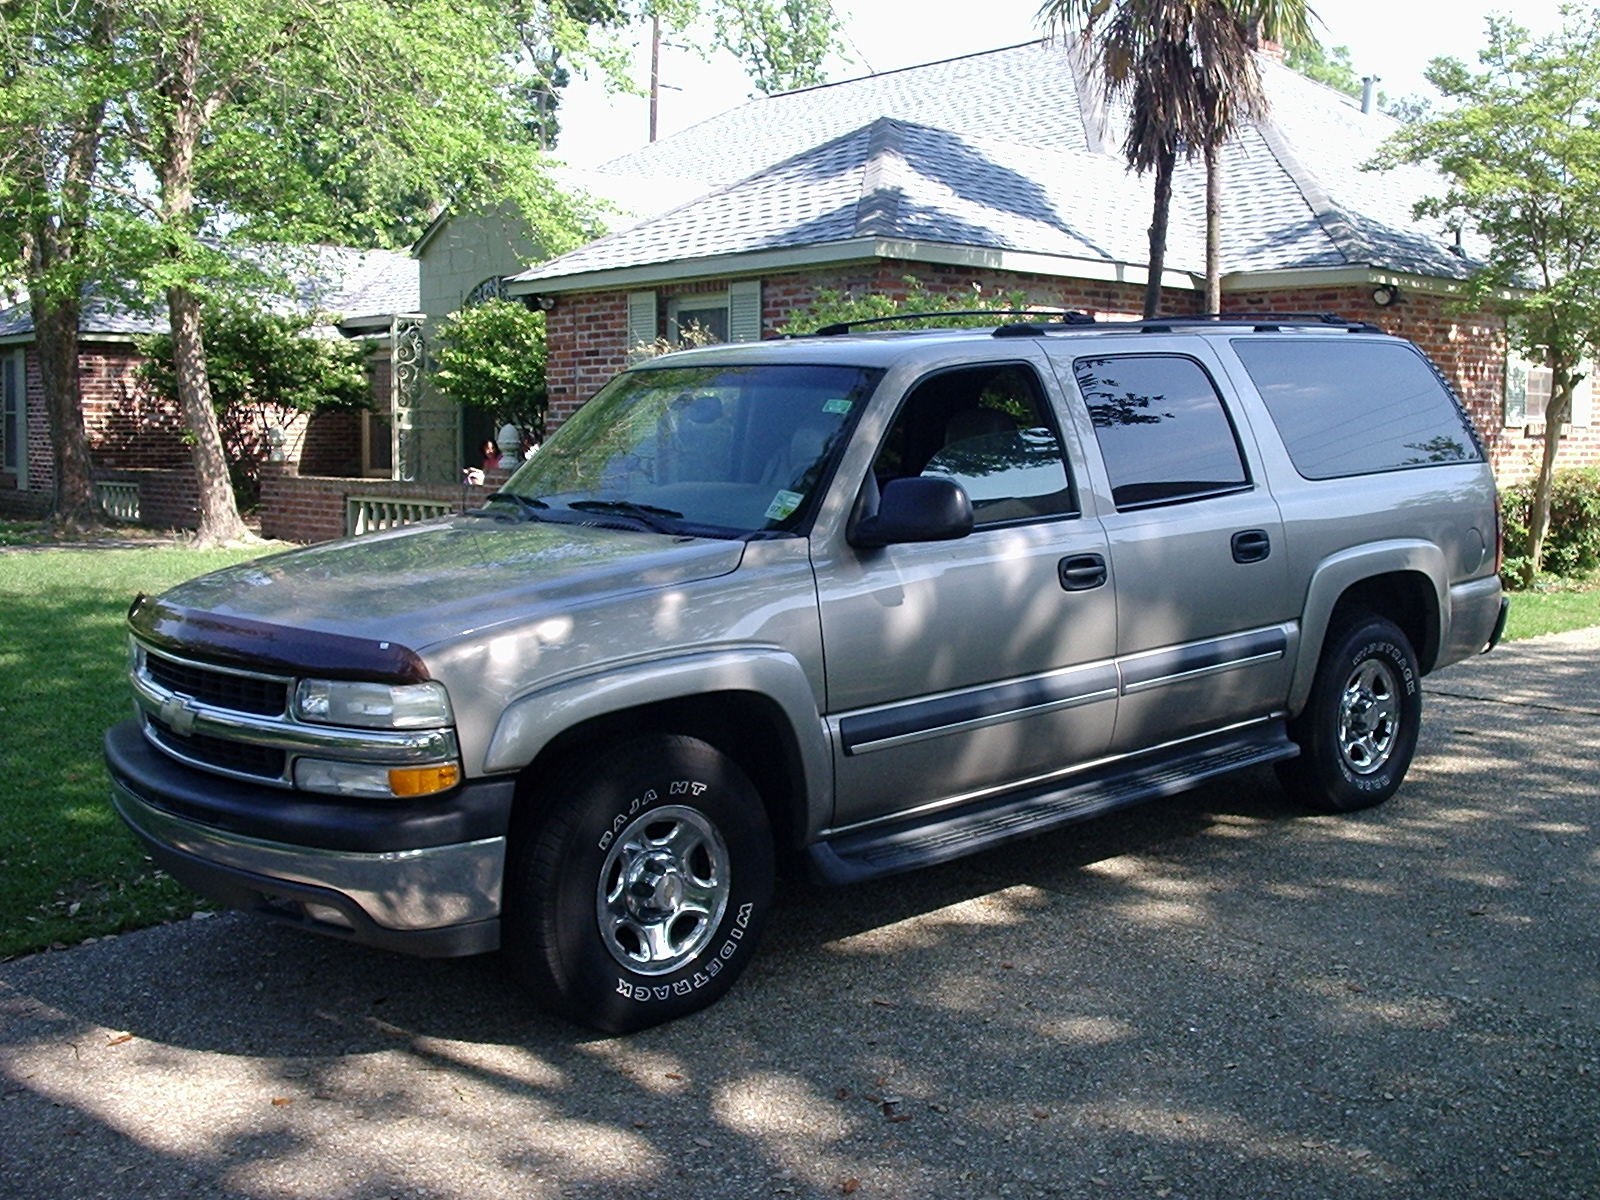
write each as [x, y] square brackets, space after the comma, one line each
[1186, 70]
[833, 307]
[492, 357]
[139, 137]
[264, 368]
[52, 125]
[781, 43]
[1518, 144]
[1330, 66]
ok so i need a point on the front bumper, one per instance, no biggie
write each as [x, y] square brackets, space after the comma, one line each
[423, 877]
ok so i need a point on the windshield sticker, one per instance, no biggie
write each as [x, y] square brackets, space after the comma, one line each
[837, 408]
[784, 504]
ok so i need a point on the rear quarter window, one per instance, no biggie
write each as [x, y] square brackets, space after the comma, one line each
[1356, 408]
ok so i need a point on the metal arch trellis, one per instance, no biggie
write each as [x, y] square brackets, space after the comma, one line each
[405, 390]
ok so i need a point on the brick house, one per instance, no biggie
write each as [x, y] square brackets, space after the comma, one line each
[140, 462]
[1003, 170]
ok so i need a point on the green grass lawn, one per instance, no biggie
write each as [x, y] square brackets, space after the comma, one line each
[68, 869]
[1554, 608]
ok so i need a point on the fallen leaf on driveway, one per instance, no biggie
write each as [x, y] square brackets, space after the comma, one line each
[118, 1039]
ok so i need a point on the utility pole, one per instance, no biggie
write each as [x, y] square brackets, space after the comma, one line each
[655, 72]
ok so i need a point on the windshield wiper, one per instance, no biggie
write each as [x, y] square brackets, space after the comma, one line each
[528, 504]
[648, 515]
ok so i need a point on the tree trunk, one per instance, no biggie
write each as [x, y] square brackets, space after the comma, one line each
[1556, 413]
[55, 329]
[219, 514]
[54, 247]
[1213, 229]
[1158, 232]
[184, 123]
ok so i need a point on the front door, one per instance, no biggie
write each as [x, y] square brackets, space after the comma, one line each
[956, 669]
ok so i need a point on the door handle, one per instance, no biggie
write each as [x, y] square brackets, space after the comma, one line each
[1251, 545]
[1081, 572]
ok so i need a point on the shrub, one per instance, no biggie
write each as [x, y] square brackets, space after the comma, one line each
[491, 356]
[1572, 545]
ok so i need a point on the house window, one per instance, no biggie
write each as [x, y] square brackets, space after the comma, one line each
[730, 316]
[1528, 388]
[13, 417]
[697, 320]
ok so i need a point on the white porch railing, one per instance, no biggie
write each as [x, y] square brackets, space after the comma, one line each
[371, 514]
[119, 500]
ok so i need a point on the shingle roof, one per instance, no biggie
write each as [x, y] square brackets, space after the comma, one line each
[344, 283]
[1011, 149]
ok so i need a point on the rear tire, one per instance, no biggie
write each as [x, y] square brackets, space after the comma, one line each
[637, 886]
[1358, 731]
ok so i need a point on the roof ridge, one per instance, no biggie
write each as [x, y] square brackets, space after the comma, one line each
[937, 62]
[882, 179]
[1330, 217]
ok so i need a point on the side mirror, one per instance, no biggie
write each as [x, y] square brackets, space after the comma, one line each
[920, 509]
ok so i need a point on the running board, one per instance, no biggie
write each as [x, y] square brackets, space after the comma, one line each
[888, 850]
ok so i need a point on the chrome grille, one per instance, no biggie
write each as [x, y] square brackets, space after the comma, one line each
[243, 692]
[239, 758]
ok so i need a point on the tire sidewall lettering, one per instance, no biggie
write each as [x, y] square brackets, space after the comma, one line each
[647, 799]
[698, 974]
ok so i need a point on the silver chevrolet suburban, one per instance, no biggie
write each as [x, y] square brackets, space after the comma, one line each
[861, 601]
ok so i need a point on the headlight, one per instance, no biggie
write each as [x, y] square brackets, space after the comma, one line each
[373, 705]
[366, 779]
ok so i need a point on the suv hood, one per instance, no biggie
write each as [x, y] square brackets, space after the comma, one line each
[423, 584]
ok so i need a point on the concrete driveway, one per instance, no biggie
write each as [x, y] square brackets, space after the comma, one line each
[1215, 997]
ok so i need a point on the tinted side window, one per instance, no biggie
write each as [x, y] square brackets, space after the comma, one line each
[1352, 408]
[985, 427]
[1162, 429]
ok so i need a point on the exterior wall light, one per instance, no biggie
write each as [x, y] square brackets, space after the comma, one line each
[1385, 295]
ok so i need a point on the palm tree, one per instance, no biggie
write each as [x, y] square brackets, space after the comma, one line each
[1188, 73]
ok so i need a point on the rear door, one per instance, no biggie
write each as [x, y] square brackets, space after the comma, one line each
[1204, 621]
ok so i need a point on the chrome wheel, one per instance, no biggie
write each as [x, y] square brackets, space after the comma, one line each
[1369, 716]
[663, 889]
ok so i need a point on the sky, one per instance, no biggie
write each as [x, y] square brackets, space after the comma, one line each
[1392, 39]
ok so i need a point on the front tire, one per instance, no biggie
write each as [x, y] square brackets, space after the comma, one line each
[637, 886]
[1358, 731]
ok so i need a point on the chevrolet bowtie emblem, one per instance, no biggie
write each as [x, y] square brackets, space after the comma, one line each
[178, 716]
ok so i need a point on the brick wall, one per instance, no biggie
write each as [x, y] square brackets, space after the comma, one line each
[588, 335]
[309, 508]
[169, 498]
[588, 338]
[128, 427]
[1470, 350]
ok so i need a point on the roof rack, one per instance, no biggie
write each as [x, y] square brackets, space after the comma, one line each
[1065, 317]
[1264, 322]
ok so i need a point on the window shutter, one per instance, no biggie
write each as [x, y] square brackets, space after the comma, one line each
[642, 330]
[14, 416]
[744, 311]
[1516, 390]
[1583, 397]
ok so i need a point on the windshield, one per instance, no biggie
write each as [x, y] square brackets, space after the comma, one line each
[700, 449]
